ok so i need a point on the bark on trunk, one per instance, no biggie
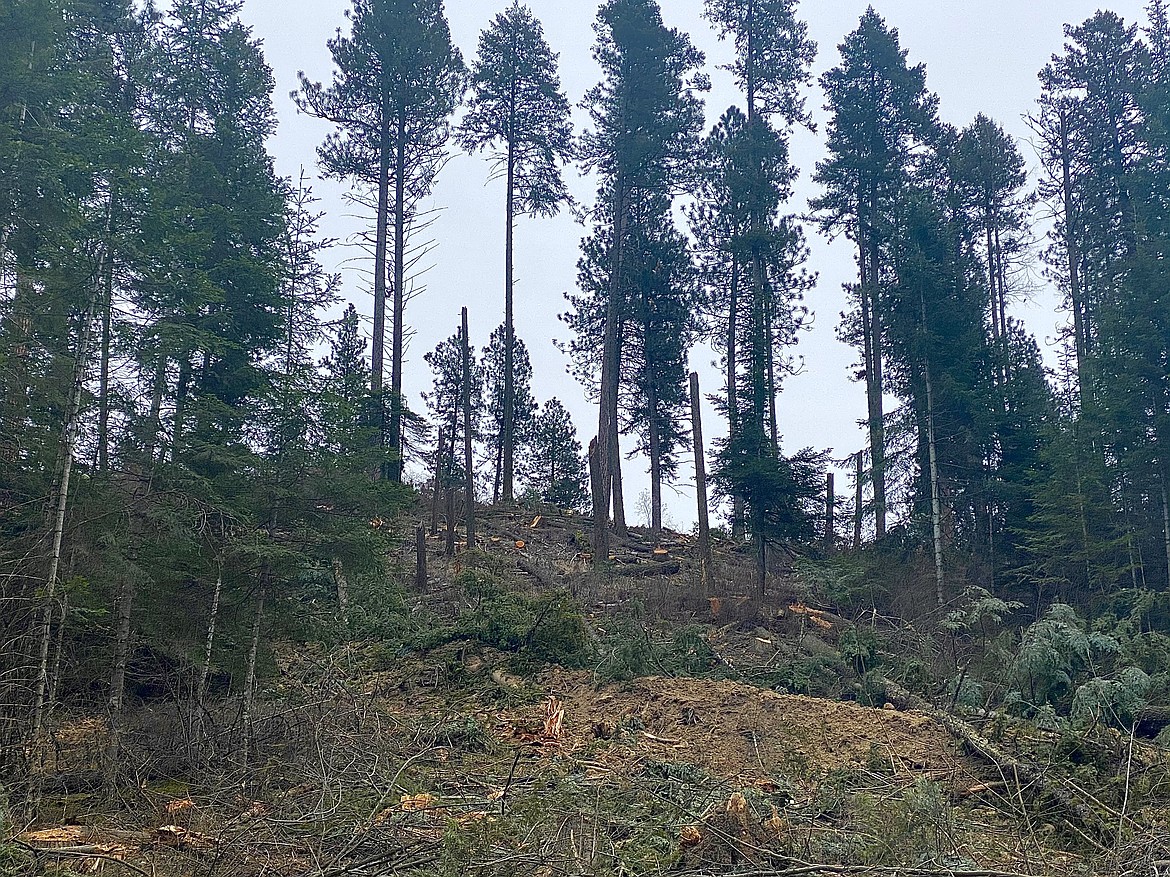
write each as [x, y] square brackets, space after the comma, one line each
[733, 424]
[103, 426]
[65, 468]
[610, 377]
[420, 559]
[117, 694]
[449, 545]
[250, 670]
[706, 573]
[209, 646]
[858, 501]
[1079, 306]
[655, 458]
[469, 471]
[395, 440]
[509, 438]
[381, 245]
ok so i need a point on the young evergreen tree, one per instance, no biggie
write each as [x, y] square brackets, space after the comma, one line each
[554, 467]
[507, 378]
[445, 401]
[398, 80]
[518, 112]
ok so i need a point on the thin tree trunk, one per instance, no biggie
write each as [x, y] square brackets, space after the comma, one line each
[180, 421]
[655, 457]
[830, 512]
[932, 453]
[610, 378]
[469, 471]
[618, 482]
[212, 621]
[1076, 294]
[449, 546]
[65, 467]
[420, 559]
[733, 424]
[395, 440]
[342, 584]
[509, 438]
[438, 484]
[858, 501]
[706, 571]
[250, 669]
[381, 245]
[117, 694]
[103, 427]
[875, 401]
[55, 678]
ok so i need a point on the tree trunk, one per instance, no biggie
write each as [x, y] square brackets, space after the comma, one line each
[618, 483]
[706, 572]
[1166, 524]
[830, 512]
[655, 457]
[449, 546]
[935, 495]
[341, 583]
[733, 424]
[55, 677]
[1076, 294]
[381, 245]
[395, 439]
[103, 428]
[509, 438]
[65, 468]
[154, 421]
[212, 621]
[180, 421]
[610, 378]
[468, 465]
[250, 669]
[117, 694]
[420, 559]
[871, 316]
[858, 500]
[438, 484]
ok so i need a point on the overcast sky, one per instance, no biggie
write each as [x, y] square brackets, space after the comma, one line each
[981, 56]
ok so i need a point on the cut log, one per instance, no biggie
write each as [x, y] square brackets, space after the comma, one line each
[645, 570]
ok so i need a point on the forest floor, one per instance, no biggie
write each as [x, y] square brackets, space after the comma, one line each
[678, 747]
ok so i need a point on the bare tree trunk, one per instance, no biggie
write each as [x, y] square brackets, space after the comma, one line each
[618, 485]
[381, 245]
[65, 468]
[1076, 293]
[733, 424]
[871, 317]
[103, 431]
[935, 496]
[655, 459]
[420, 559]
[438, 484]
[449, 547]
[212, 621]
[55, 678]
[509, 437]
[250, 670]
[398, 330]
[468, 465]
[117, 694]
[830, 511]
[610, 378]
[706, 572]
[342, 585]
[858, 501]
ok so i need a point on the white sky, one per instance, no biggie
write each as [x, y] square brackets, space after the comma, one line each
[981, 56]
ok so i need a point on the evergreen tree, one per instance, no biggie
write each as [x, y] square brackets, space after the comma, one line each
[397, 82]
[882, 115]
[506, 378]
[643, 142]
[445, 400]
[554, 467]
[519, 113]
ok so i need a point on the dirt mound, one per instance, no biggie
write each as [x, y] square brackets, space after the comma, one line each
[738, 732]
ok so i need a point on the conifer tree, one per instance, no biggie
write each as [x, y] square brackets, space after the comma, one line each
[554, 468]
[643, 141]
[397, 82]
[506, 376]
[518, 113]
[881, 113]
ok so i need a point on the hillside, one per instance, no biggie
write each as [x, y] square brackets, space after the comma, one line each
[542, 719]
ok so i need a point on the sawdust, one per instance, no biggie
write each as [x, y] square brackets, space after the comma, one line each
[739, 732]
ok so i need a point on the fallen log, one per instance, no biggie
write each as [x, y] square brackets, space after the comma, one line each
[645, 570]
[1031, 781]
